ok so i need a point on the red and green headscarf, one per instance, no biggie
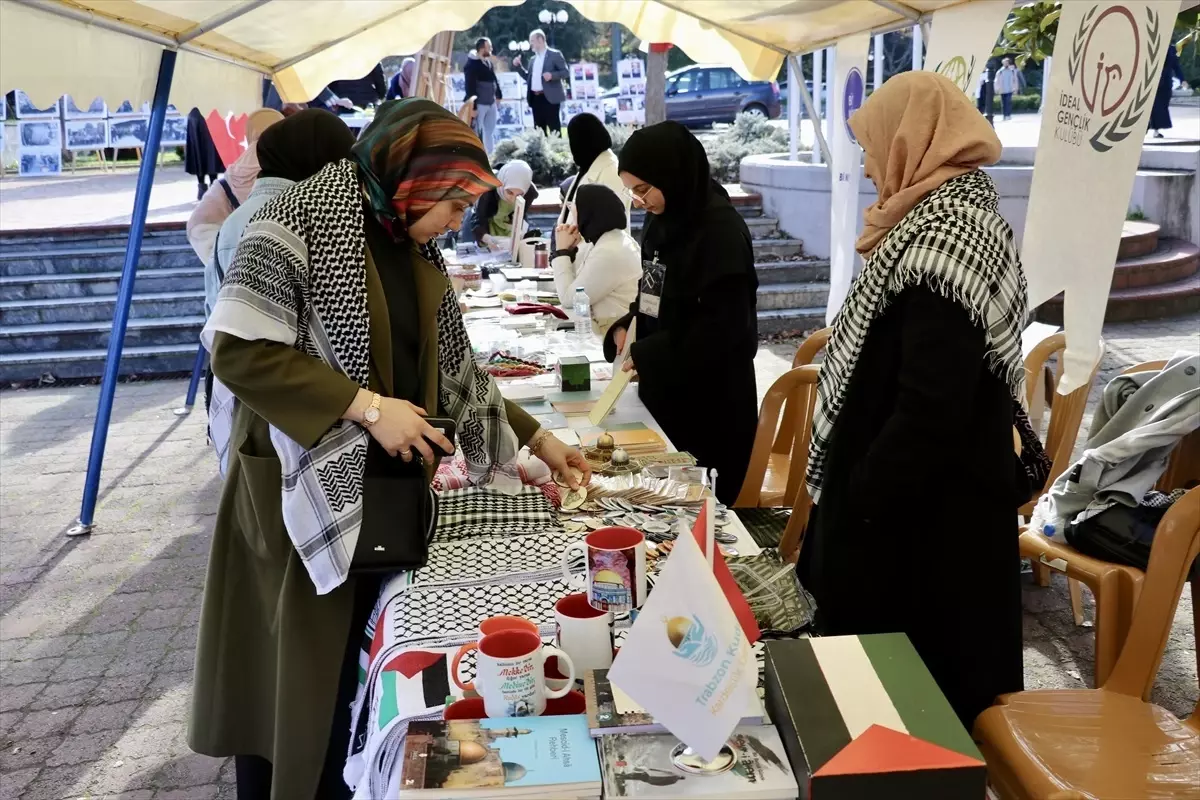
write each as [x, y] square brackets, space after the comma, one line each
[414, 155]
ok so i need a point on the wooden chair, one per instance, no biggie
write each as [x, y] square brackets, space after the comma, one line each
[1066, 415]
[1115, 587]
[773, 486]
[1076, 744]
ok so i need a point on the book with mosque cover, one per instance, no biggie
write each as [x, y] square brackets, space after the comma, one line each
[753, 766]
[528, 757]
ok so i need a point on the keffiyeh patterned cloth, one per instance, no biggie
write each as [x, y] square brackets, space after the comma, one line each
[956, 243]
[299, 279]
[483, 512]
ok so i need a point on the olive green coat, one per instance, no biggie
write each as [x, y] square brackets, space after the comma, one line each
[270, 649]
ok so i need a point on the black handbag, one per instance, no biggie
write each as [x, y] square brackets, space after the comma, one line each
[399, 514]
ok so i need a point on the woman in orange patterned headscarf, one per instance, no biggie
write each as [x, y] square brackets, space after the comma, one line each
[335, 334]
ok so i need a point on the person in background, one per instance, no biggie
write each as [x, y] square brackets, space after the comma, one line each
[401, 84]
[368, 90]
[595, 162]
[1160, 113]
[482, 84]
[610, 269]
[230, 191]
[492, 218]
[545, 77]
[200, 156]
[1009, 81]
[697, 327]
[917, 404]
[336, 325]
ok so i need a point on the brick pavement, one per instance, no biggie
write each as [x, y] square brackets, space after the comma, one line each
[97, 634]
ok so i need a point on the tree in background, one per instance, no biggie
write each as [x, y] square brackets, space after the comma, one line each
[1187, 45]
[1029, 33]
[504, 24]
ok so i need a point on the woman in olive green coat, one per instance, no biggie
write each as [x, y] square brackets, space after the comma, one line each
[336, 323]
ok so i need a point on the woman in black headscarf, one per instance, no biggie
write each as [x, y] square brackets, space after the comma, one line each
[595, 162]
[697, 328]
[610, 268]
[200, 156]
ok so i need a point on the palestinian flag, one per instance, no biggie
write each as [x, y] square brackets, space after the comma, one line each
[864, 719]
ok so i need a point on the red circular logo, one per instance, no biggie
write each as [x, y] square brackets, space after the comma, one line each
[1109, 65]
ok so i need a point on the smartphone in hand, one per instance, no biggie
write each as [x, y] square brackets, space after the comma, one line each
[447, 426]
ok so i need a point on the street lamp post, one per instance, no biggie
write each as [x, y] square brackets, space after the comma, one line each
[550, 19]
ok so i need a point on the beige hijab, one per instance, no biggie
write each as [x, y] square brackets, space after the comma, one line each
[919, 130]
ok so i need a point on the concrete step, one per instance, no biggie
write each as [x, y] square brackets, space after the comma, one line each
[92, 236]
[71, 258]
[1141, 302]
[151, 360]
[1138, 238]
[786, 296]
[1172, 260]
[145, 332]
[97, 309]
[771, 249]
[792, 271]
[96, 284]
[790, 320]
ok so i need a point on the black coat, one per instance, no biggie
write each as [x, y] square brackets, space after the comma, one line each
[916, 527]
[1160, 112]
[695, 361]
[481, 82]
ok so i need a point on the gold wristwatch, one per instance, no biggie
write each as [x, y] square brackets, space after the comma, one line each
[371, 415]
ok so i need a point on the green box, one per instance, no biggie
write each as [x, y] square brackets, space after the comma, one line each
[574, 374]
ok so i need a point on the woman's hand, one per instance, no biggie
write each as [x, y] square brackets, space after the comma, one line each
[619, 338]
[401, 428]
[627, 365]
[566, 236]
[560, 459]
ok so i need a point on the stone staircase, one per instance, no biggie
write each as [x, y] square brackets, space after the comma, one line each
[1154, 277]
[792, 290]
[58, 291]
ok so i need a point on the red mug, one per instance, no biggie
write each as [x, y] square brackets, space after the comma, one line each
[510, 673]
[616, 568]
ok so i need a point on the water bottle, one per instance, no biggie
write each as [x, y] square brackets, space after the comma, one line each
[583, 315]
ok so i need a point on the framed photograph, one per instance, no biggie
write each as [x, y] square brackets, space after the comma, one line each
[131, 132]
[146, 109]
[508, 112]
[49, 163]
[174, 132]
[589, 72]
[124, 110]
[458, 86]
[508, 131]
[41, 133]
[626, 69]
[97, 110]
[637, 69]
[577, 72]
[26, 109]
[511, 85]
[86, 134]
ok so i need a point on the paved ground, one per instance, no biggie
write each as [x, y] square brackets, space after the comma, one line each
[97, 634]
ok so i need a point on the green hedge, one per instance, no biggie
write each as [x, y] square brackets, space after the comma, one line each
[1022, 103]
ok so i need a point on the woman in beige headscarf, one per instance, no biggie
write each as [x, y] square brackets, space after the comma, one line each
[216, 205]
[911, 462]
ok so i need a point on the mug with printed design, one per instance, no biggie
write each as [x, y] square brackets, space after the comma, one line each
[583, 632]
[616, 568]
[510, 673]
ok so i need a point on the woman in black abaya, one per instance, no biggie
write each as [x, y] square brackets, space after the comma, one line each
[697, 328]
[200, 156]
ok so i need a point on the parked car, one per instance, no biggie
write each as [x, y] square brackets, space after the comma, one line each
[706, 93]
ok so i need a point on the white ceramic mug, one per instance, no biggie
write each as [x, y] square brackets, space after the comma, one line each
[584, 633]
[510, 673]
[616, 568]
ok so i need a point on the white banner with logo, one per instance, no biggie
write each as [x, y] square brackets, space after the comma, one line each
[962, 38]
[849, 89]
[1107, 61]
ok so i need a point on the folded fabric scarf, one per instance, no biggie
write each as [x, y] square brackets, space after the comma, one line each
[956, 243]
[299, 278]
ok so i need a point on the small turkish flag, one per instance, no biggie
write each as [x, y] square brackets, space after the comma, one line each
[725, 579]
[228, 135]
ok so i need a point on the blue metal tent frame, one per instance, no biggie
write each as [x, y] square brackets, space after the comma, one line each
[133, 251]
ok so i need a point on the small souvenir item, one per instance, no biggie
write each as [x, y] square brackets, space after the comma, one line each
[620, 457]
[616, 568]
[574, 498]
[605, 443]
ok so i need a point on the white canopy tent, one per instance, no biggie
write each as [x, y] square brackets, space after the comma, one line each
[213, 54]
[225, 45]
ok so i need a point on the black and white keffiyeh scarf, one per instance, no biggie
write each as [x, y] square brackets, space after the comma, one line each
[956, 243]
[299, 278]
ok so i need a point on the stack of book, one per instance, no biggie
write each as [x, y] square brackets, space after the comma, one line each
[640, 759]
[519, 757]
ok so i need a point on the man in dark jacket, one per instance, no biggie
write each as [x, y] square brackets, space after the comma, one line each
[365, 91]
[484, 86]
[545, 77]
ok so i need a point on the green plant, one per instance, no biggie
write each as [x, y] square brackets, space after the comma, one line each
[1029, 33]
[748, 136]
[1021, 103]
[1136, 215]
[549, 156]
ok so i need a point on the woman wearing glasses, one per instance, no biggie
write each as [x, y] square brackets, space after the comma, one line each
[697, 328]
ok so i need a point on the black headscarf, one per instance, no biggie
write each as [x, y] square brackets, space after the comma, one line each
[299, 146]
[598, 211]
[672, 160]
[588, 139]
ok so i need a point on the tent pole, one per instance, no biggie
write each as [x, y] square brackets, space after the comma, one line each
[795, 80]
[194, 384]
[133, 250]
